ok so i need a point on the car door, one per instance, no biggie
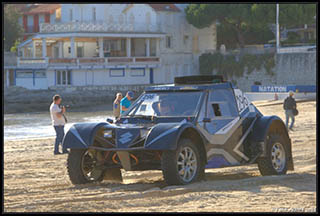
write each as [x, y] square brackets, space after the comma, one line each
[221, 127]
[222, 111]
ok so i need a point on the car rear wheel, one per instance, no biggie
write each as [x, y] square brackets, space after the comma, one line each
[276, 160]
[184, 165]
[83, 167]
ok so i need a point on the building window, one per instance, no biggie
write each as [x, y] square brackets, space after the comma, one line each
[116, 72]
[94, 14]
[168, 41]
[55, 52]
[28, 52]
[115, 48]
[71, 15]
[185, 39]
[63, 77]
[121, 19]
[195, 44]
[137, 72]
[80, 50]
[138, 47]
[40, 74]
[24, 74]
[153, 46]
[81, 10]
[131, 19]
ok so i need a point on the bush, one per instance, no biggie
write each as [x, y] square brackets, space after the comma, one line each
[229, 65]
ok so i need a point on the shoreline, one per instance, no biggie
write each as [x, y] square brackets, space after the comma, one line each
[30, 139]
[73, 108]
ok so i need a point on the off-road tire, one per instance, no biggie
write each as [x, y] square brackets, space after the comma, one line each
[74, 167]
[169, 164]
[265, 163]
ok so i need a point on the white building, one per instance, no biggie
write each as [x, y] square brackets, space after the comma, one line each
[113, 44]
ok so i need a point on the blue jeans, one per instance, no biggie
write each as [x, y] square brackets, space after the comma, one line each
[59, 136]
[289, 113]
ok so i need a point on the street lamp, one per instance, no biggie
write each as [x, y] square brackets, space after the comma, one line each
[278, 29]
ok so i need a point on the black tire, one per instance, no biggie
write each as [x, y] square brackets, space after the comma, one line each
[74, 166]
[169, 164]
[265, 164]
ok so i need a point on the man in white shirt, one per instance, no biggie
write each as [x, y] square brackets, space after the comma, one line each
[58, 122]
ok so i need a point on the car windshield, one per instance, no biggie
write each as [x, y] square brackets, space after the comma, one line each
[170, 104]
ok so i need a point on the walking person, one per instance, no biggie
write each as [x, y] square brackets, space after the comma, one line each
[58, 122]
[289, 106]
[116, 105]
[126, 102]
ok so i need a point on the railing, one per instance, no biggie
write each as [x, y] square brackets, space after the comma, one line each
[147, 59]
[296, 49]
[99, 26]
[24, 61]
[62, 61]
[44, 62]
[91, 60]
[120, 60]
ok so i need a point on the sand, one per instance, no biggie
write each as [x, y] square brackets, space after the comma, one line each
[36, 181]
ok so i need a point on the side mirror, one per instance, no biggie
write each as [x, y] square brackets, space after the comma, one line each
[109, 120]
[206, 120]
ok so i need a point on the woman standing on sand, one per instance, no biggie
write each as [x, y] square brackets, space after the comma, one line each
[116, 105]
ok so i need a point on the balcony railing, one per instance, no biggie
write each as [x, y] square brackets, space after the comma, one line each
[45, 62]
[98, 26]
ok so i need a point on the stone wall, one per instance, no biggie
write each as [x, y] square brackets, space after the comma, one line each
[18, 99]
[290, 69]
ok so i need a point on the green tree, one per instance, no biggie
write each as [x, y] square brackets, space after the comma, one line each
[12, 28]
[236, 18]
[293, 15]
[240, 22]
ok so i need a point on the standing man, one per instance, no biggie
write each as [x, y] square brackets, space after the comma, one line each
[58, 122]
[289, 105]
[116, 105]
[126, 102]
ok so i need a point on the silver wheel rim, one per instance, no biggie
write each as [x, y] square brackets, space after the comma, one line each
[278, 157]
[88, 167]
[187, 164]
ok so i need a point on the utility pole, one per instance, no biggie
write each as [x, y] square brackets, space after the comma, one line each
[278, 29]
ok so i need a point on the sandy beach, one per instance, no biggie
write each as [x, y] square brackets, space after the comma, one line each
[36, 181]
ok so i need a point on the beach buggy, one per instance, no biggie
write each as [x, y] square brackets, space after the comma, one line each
[197, 123]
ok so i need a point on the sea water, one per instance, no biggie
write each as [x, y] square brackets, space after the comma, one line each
[39, 125]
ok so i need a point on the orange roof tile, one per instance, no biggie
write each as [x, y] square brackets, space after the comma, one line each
[165, 7]
[43, 8]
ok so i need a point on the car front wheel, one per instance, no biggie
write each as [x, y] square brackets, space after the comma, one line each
[182, 166]
[83, 167]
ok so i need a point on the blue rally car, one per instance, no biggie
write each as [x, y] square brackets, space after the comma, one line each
[197, 123]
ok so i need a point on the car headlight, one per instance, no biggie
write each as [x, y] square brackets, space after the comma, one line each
[143, 133]
[107, 134]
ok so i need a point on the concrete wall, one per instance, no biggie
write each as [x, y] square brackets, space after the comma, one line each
[290, 69]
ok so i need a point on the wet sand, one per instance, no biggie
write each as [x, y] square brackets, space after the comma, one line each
[36, 181]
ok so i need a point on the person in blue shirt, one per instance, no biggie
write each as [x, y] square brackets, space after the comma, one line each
[126, 102]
